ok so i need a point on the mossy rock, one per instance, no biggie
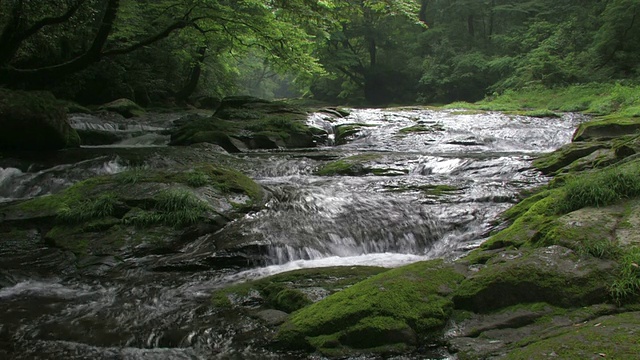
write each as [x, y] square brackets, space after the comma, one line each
[567, 154]
[393, 310]
[610, 337]
[112, 214]
[293, 290]
[345, 132]
[34, 121]
[554, 274]
[124, 107]
[261, 130]
[355, 165]
[607, 128]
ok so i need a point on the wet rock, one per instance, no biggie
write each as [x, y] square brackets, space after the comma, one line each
[124, 107]
[139, 212]
[34, 121]
[566, 155]
[553, 274]
[609, 128]
[272, 317]
[247, 123]
[395, 310]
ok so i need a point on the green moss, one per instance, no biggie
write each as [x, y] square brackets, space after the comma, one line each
[416, 295]
[614, 337]
[420, 128]
[352, 165]
[282, 291]
[52, 204]
[534, 219]
[552, 275]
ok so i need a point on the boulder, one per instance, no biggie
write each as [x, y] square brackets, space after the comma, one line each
[553, 274]
[393, 311]
[608, 128]
[124, 107]
[34, 121]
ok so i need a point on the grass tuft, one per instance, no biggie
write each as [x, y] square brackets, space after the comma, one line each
[100, 207]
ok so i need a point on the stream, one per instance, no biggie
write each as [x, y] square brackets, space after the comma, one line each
[437, 194]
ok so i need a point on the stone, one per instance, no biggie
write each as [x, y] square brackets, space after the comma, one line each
[124, 107]
[34, 121]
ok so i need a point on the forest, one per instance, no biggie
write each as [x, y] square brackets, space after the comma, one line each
[360, 52]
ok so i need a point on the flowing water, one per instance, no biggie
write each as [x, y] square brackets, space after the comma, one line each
[439, 193]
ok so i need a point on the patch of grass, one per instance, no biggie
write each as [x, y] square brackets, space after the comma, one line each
[601, 188]
[131, 176]
[79, 212]
[196, 179]
[176, 208]
[627, 285]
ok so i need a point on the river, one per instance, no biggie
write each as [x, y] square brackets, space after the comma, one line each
[437, 194]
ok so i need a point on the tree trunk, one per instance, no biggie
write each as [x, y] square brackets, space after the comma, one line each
[194, 76]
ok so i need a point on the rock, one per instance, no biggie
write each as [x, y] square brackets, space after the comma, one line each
[140, 212]
[393, 310]
[247, 123]
[553, 274]
[612, 336]
[607, 128]
[124, 107]
[34, 121]
[566, 155]
[272, 317]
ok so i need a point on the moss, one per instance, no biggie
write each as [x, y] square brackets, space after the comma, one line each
[534, 219]
[554, 161]
[51, 204]
[606, 128]
[614, 336]
[553, 275]
[283, 289]
[420, 128]
[352, 165]
[416, 295]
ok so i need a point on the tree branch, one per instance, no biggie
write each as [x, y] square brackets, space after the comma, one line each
[180, 24]
[51, 21]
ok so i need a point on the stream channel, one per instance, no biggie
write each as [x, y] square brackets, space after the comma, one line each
[434, 193]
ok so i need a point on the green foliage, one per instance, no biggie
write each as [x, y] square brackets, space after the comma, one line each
[626, 287]
[79, 212]
[176, 208]
[601, 188]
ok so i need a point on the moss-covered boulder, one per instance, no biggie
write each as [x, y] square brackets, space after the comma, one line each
[552, 162]
[292, 290]
[139, 211]
[554, 274]
[242, 123]
[34, 121]
[607, 128]
[393, 311]
[124, 107]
